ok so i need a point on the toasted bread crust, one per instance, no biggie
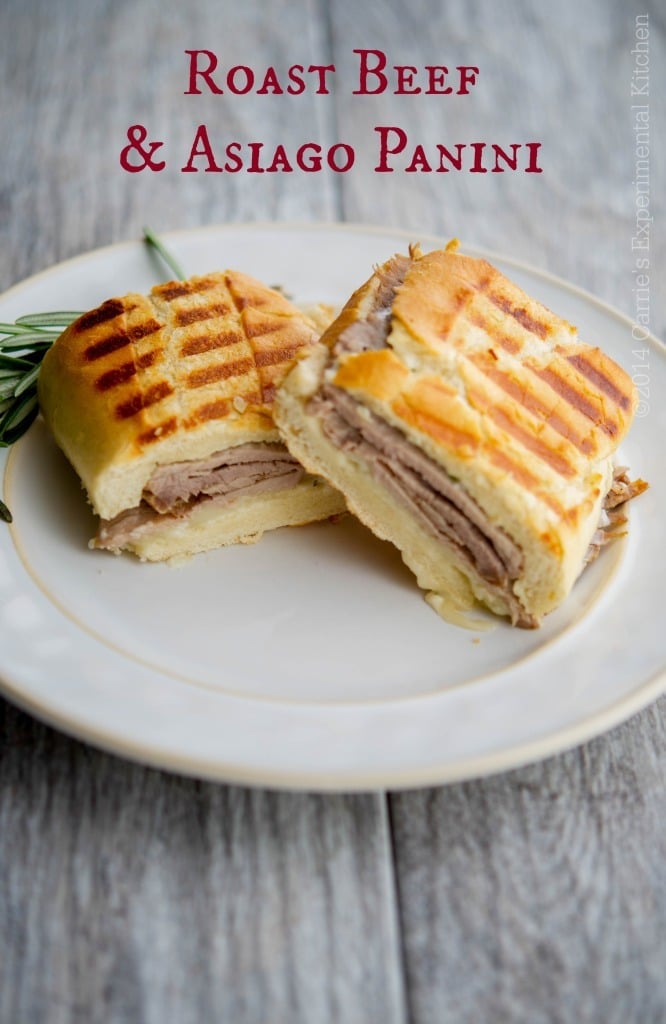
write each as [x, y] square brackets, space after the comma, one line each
[502, 353]
[178, 374]
[497, 389]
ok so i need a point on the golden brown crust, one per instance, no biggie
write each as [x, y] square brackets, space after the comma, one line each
[506, 355]
[547, 402]
[496, 388]
[180, 373]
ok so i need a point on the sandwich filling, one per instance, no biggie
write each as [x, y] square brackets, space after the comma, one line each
[613, 518]
[438, 502]
[175, 490]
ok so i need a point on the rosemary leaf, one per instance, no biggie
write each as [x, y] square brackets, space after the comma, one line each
[27, 381]
[15, 328]
[22, 348]
[5, 514]
[16, 420]
[14, 363]
[34, 340]
[58, 319]
[151, 239]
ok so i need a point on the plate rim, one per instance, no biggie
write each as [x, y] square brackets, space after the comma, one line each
[366, 781]
[358, 780]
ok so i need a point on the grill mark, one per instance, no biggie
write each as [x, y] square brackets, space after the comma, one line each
[509, 344]
[578, 401]
[183, 317]
[211, 374]
[157, 433]
[216, 410]
[457, 438]
[596, 377]
[119, 375]
[148, 358]
[437, 429]
[258, 330]
[177, 289]
[140, 331]
[207, 342]
[138, 401]
[272, 357]
[171, 291]
[129, 408]
[107, 311]
[119, 340]
[525, 479]
[105, 347]
[529, 441]
[524, 318]
[535, 405]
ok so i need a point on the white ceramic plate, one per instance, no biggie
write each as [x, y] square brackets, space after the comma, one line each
[310, 660]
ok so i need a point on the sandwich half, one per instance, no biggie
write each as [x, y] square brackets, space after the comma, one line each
[467, 424]
[163, 405]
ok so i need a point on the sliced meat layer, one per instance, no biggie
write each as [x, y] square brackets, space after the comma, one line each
[441, 504]
[372, 332]
[623, 489]
[438, 502]
[231, 471]
[612, 517]
[174, 490]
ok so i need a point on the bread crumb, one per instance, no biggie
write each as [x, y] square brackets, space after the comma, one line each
[239, 403]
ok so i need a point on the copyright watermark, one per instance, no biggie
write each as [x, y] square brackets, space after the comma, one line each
[642, 218]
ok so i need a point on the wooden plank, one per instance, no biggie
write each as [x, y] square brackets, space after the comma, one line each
[129, 895]
[538, 896]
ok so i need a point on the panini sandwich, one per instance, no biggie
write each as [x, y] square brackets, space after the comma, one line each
[467, 424]
[163, 405]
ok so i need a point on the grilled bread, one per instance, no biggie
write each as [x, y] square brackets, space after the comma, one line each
[467, 424]
[183, 378]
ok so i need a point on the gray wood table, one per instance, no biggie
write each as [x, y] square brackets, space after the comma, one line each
[132, 895]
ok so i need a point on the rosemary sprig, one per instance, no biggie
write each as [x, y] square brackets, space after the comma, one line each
[23, 345]
[150, 238]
